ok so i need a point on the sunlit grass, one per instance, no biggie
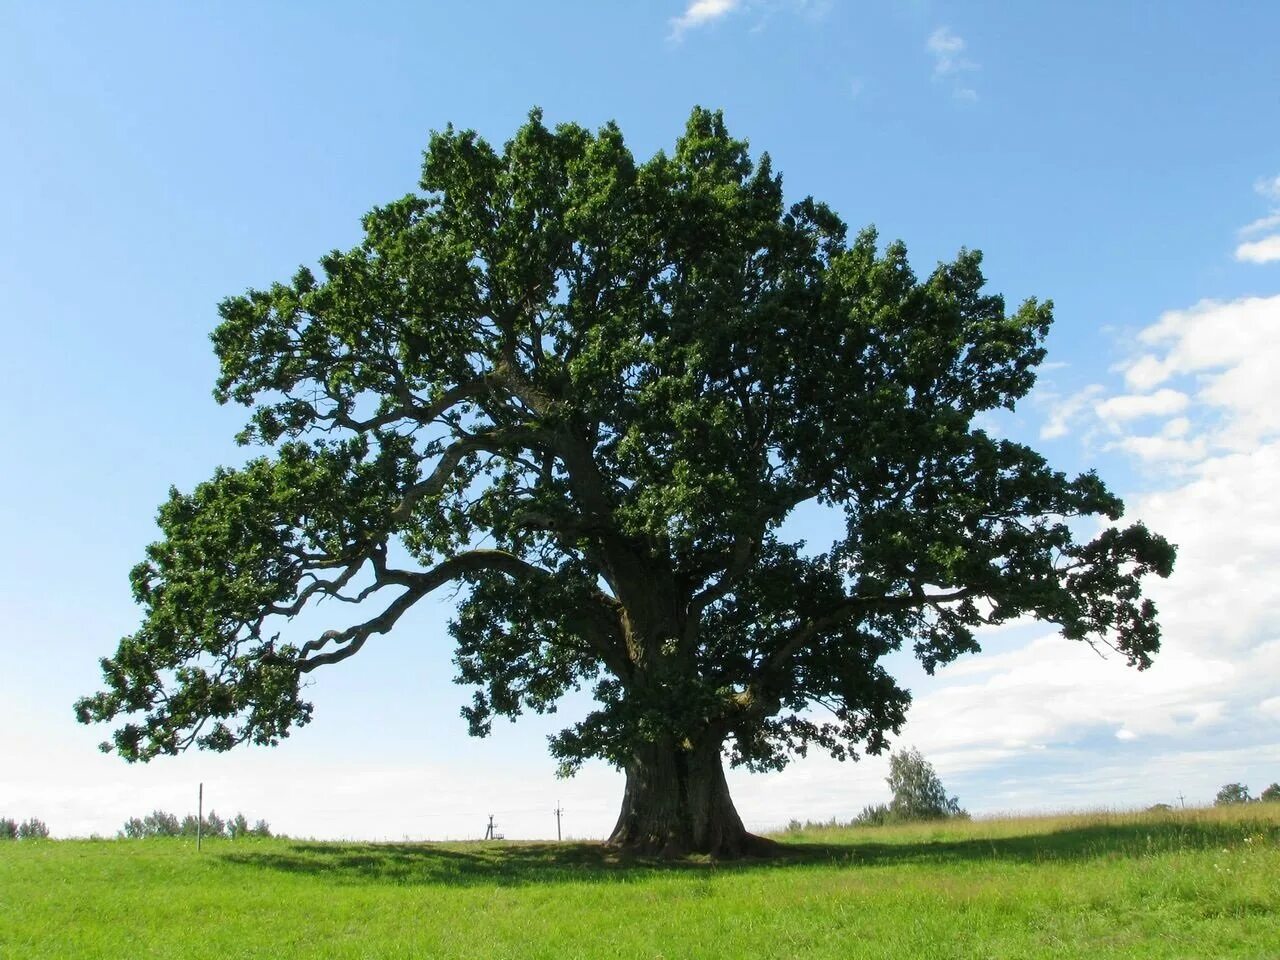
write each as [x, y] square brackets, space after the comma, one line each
[1195, 883]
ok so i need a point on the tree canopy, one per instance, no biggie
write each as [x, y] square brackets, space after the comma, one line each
[590, 390]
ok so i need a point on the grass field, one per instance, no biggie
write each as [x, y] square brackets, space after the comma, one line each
[1196, 883]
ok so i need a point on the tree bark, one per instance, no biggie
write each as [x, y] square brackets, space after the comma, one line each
[677, 802]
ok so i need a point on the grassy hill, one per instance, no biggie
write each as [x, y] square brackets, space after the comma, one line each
[1196, 883]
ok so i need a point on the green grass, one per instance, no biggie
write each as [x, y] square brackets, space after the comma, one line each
[1203, 883]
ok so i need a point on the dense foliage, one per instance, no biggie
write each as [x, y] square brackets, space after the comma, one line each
[590, 391]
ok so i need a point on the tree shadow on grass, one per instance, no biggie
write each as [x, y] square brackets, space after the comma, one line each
[517, 864]
[459, 864]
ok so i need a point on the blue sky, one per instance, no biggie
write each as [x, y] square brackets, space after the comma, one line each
[1122, 160]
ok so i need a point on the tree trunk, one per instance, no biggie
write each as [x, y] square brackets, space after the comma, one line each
[677, 802]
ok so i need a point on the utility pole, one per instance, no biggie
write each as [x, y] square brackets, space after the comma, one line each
[559, 810]
[488, 833]
[199, 816]
[1182, 800]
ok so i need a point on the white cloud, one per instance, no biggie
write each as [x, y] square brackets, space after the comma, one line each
[1093, 406]
[1161, 449]
[1065, 411]
[1265, 250]
[1035, 692]
[1227, 353]
[1225, 519]
[1144, 373]
[1213, 334]
[1269, 187]
[701, 12]
[1133, 406]
[1173, 445]
[950, 63]
[946, 48]
[1261, 225]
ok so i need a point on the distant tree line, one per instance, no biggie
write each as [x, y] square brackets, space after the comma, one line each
[32, 829]
[159, 823]
[1234, 793]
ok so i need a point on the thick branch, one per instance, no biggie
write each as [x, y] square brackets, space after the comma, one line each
[743, 552]
[740, 557]
[410, 408]
[334, 646]
[496, 442]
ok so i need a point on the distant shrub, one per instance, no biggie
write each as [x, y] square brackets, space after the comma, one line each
[33, 829]
[1159, 808]
[1231, 794]
[261, 829]
[8, 829]
[797, 826]
[1271, 794]
[875, 815]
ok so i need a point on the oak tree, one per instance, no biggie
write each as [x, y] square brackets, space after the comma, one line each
[588, 391]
